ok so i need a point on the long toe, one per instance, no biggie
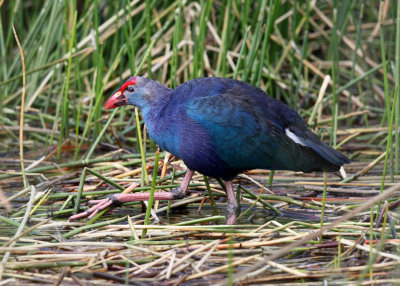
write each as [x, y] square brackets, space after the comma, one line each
[92, 211]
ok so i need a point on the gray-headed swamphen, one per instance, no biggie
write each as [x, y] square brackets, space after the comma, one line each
[221, 127]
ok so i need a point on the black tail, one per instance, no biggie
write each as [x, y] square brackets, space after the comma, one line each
[333, 159]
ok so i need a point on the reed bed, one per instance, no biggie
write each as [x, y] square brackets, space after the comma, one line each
[333, 61]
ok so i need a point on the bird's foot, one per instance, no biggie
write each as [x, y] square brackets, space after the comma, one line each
[232, 210]
[178, 193]
[231, 220]
[99, 205]
[232, 207]
[116, 200]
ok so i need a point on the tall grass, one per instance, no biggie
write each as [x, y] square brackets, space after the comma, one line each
[78, 52]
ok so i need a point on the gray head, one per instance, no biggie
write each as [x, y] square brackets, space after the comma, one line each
[138, 91]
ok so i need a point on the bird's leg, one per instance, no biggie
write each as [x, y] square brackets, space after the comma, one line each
[232, 203]
[118, 199]
[181, 191]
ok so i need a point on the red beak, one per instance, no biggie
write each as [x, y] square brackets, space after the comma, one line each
[117, 99]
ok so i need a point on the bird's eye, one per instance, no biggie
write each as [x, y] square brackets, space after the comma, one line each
[131, 89]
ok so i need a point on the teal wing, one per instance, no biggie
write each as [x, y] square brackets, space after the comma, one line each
[243, 136]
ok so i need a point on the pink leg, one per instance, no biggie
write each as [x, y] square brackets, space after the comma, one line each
[232, 203]
[117, 199]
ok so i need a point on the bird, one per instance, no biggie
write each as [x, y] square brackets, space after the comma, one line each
[221, 127]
